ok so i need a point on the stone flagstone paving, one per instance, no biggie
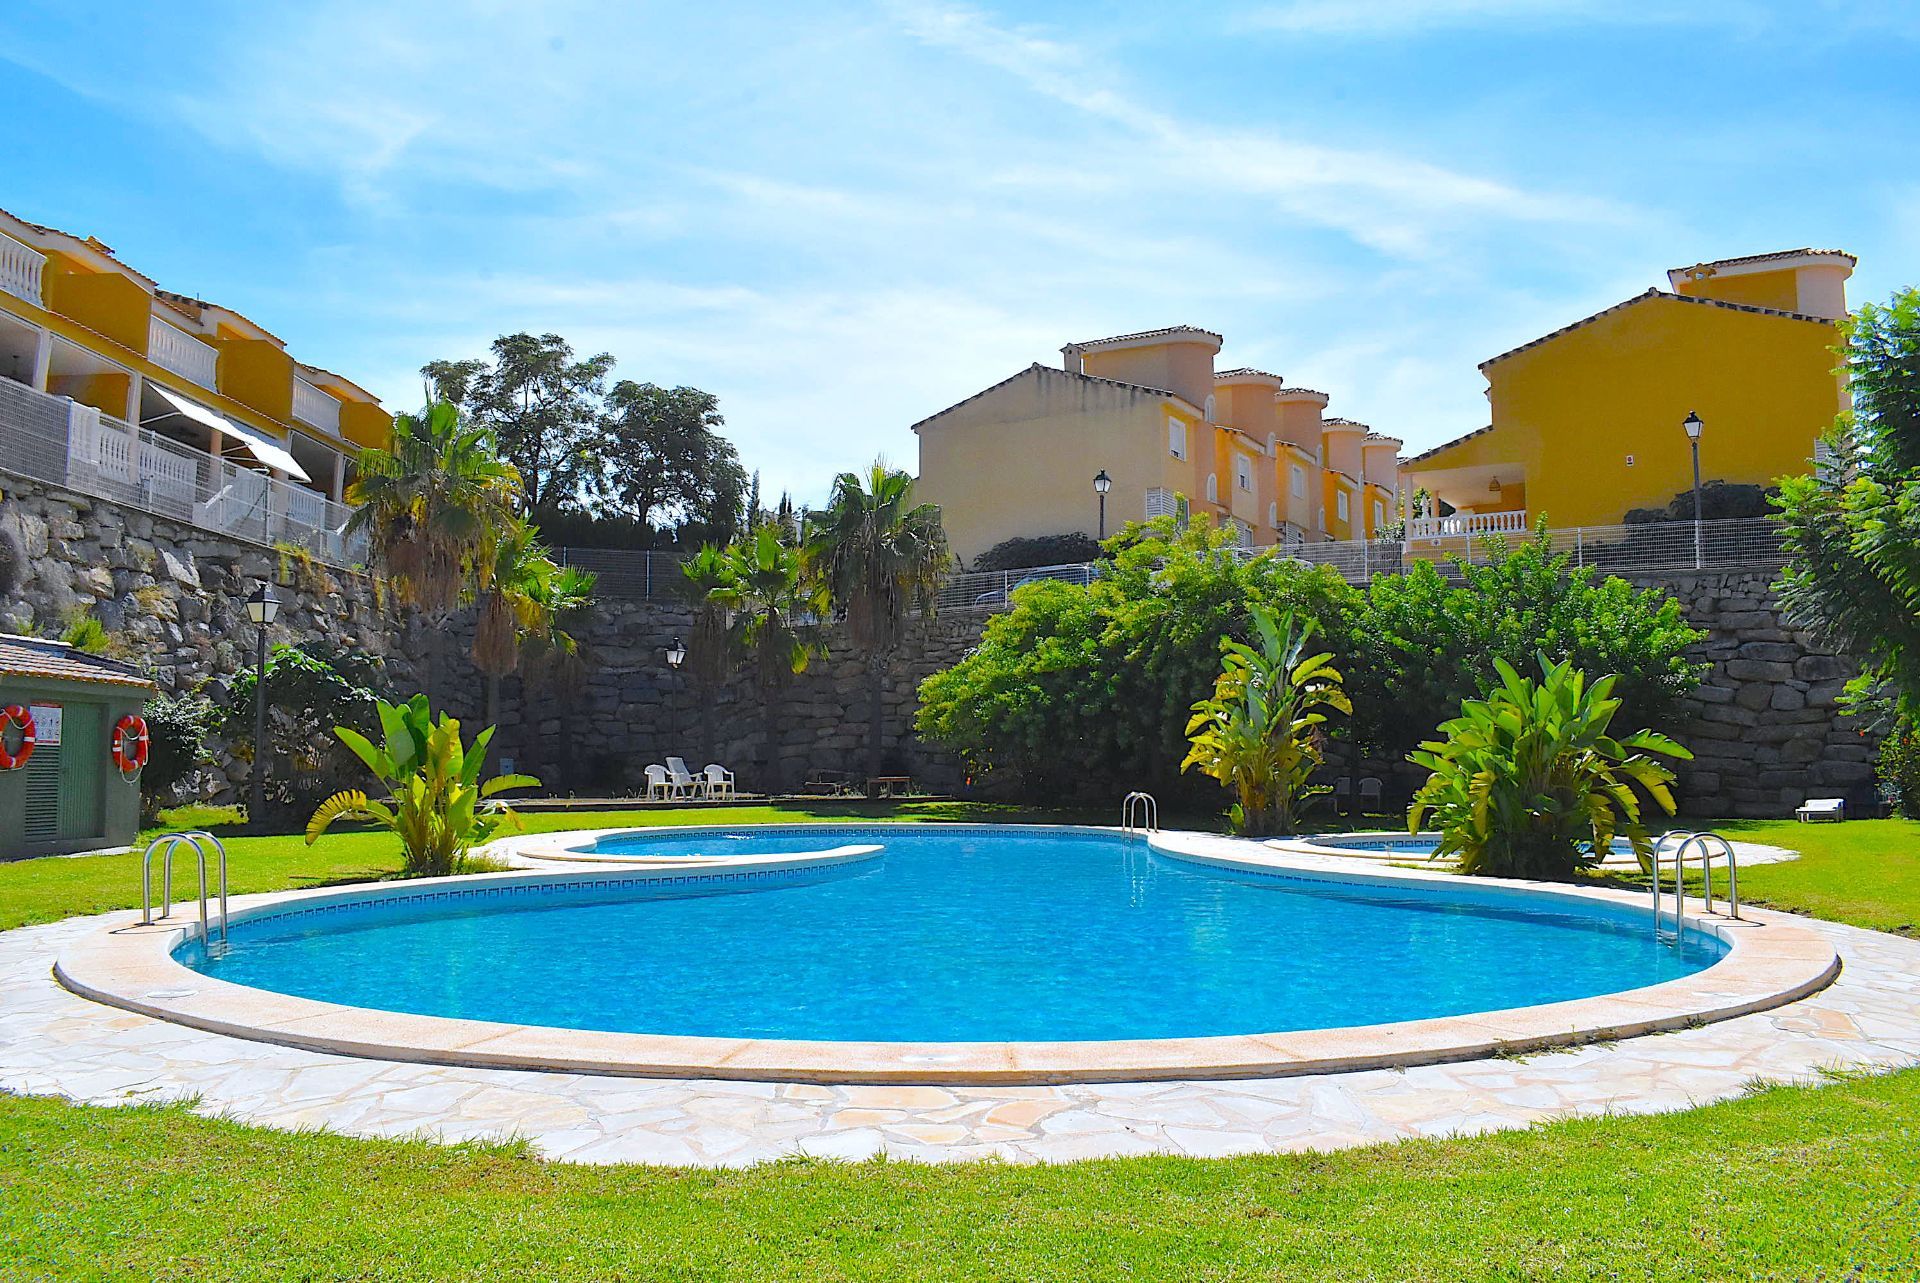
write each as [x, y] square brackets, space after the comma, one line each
[55, 1043]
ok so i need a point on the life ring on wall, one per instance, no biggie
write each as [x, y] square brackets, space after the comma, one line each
[130, 743]
[10, 716]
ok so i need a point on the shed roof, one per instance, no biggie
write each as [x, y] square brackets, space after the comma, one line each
[57, 661]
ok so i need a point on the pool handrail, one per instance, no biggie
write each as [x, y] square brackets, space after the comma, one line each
[1143, 805]
[166, 843]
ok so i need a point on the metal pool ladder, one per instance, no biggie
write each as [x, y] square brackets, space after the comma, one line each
[1706, 844]
[165, 844]
[1139, 813]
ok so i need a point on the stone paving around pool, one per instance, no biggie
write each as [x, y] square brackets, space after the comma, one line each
[55, 1043]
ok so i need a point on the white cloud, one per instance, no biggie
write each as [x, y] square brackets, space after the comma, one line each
[1375, 18]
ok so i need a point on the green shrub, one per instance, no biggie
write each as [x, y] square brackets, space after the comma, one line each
[1085, 689]
[437, 806]
[1040, 550]
[1258, 733]
[1898, 767]
[1422, 644]
[1527, 783]
[178, 727]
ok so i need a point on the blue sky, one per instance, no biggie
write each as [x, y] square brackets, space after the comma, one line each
[843, 217]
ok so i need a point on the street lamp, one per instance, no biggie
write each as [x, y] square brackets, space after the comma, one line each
[262, 606]
[1693, 425]
[676, 654]
[1101, 484]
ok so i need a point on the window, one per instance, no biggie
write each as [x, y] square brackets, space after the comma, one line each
[1273, 445]
[1273, 515]
[1213, 487]
[1160, 503]
[1242, 533]
[1210, 418]
[1340, 504]
[1243, 472]
[1176, 438]
[1379, 515]
[1323, 518]
[1299, 482]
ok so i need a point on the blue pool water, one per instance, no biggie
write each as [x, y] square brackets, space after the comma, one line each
[958, 935]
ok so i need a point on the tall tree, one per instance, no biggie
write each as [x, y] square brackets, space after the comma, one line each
[433, 502]
[662, 460]
[1853, 524]
[542, 405]
[880, 554]
[510, 600]
[706, 577]
[776, 605]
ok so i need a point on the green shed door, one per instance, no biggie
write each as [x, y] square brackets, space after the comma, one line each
[83, 763]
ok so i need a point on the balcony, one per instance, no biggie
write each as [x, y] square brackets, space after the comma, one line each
[174, 349]
[315, 408]
[1463, 525]
[69, 444]
[20, 268]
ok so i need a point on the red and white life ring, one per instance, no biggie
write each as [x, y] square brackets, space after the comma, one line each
[10, 716]
[130, 743]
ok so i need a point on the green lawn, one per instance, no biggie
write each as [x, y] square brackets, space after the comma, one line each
[1802, 1183]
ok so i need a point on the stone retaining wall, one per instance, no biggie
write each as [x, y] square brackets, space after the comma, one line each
[1764, 725]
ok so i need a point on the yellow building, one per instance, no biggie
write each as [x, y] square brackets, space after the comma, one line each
[1018, 459]
[112, 385]
[1587, 421]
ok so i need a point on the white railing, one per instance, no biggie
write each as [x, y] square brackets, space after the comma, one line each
[172, 348]
[314, 407]
[20, 268]
[69, 444]
[1464, 523]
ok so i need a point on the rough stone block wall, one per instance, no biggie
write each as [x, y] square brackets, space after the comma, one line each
[1764, 725]
[173, 595]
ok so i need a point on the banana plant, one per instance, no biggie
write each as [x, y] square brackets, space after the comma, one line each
[1258, 732]
[1528, 783]
[437, 805]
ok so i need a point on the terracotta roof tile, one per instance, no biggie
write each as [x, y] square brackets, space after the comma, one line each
[38, 657]
[1037, 368]
[1448, 445]
[1148, 334]
[1245, 372]
[1650, 295]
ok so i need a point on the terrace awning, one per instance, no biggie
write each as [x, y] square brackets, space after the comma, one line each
[258, 444]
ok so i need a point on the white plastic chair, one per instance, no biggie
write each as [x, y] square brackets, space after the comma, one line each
[685, 782]
[719, 780]
[1372, 789]
[658, 785]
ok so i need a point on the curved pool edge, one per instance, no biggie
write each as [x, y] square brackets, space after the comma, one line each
[1770, 962]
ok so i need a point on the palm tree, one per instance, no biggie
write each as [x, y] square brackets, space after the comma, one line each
[511, 590]
[433, 501]
[880, 554]
[777, 605]
[704, 578]
[553, 655]
[1258, 733]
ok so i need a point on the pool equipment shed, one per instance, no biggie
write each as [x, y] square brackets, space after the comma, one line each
[68, 795]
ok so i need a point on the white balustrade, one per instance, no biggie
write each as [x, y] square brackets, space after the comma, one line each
[20, 268]
[314, 407]
[1468, 523]
[172, 348]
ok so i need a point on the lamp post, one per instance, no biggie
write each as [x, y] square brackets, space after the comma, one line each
[676, 653]
[1693, 425]
[1101, 484]
[262, 606]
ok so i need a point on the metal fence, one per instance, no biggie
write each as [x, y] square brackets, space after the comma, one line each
[54, 439]
[1654, 548]
[629, 574]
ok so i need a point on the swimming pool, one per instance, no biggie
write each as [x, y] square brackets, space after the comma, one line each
[953, 934]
